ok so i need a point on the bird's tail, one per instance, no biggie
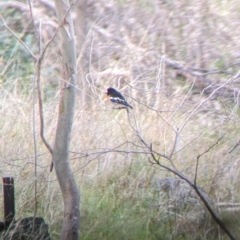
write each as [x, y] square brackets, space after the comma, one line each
[128, 105]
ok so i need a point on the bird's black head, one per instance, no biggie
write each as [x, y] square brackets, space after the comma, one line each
[111, 91]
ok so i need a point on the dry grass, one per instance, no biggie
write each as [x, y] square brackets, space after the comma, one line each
[113, 173]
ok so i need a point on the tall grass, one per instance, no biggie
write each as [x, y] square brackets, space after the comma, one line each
[115, 177]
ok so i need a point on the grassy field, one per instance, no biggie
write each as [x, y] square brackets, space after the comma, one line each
[119, 199]
[115, 177]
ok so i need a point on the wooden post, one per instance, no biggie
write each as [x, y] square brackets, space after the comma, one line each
[8, 200]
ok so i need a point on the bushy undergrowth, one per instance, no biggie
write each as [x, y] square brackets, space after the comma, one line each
[118, 197]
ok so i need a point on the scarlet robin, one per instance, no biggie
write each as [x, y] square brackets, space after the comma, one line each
[116, 97]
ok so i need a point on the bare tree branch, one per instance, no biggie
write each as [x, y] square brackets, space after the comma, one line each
[206, 151]
[182, 176]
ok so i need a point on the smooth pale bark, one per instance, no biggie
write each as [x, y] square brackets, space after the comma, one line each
[70, 193]
[83, 54]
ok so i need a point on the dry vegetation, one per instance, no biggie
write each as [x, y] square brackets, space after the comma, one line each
[129, 45]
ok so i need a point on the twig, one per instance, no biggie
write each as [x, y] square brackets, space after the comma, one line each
[174, 144]
[34, 134]
[201, 103]
[19, 40]
[200, 155]
[235, 146]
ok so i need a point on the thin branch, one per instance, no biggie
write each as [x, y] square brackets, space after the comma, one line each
[206, 151]
[34, 132]
[18, 39]
[98, 154]
[35, 149]
[148, 146]
[235, 146]
[84, 155]
[40, 102]
[174, 144]
[214, 216]
[201, 103]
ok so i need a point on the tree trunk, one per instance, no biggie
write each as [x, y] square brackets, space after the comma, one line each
[70, 193]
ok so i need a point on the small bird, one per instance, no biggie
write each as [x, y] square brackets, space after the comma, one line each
[116, 97]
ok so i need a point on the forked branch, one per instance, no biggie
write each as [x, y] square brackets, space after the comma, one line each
[156, 160]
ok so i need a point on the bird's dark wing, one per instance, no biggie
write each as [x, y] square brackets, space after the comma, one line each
[117, 100]
[118, 95]
[120, 101]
